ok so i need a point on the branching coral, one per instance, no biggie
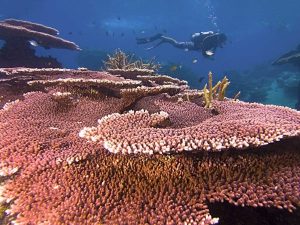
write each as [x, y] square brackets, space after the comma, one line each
[120, 60]
[214, 92]
[150, 64]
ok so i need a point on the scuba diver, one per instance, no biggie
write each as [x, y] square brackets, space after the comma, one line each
[206, 42]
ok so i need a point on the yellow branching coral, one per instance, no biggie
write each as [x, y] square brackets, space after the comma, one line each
[3, 208]
[214, 92]
[222, 88]
[206, 97]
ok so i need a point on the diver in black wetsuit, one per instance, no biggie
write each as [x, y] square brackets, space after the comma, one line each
[206, 42]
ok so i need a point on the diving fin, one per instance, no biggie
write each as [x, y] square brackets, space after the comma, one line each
[152, 47]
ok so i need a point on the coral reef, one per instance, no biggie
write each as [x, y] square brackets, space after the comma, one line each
[266, 84]
[17, 51]
[284, 89]
[14, 82]
[292, 57]
[157, 155]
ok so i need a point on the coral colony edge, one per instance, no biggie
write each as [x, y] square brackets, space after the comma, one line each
[129, 146]
[18, 36]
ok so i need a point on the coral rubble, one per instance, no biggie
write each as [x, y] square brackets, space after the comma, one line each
[18, 36]
[97, 148]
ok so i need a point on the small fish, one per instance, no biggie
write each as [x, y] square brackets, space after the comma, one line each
[119, 18]
[70, 33]
[186, 49]
[209, 53]
[200, 79]
[33, 43]
[173, 68]
[142, 32]
[92, 24]
[122, 34]
[194, 61]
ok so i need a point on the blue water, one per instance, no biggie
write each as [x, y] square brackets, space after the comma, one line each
[259, 31]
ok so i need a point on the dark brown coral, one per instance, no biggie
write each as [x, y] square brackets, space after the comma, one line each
[127, 66]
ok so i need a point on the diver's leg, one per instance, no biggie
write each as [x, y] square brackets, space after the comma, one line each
[149, 39]
[164, 39]
[181, 45]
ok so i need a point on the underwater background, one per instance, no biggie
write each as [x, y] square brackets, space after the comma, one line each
[258, 31]
[95, 127]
